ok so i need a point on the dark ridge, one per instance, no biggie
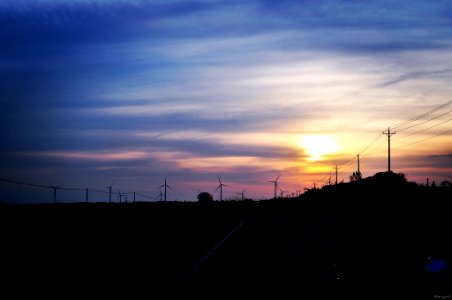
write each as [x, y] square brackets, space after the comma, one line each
[381, 234]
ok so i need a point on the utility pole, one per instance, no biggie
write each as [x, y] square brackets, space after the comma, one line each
[329, 180]
[359, 171]
[133, 197]
[86, 195]
[388, 133]
[336, 174]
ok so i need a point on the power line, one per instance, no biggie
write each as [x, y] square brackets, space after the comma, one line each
[402, 127]
[370, 144]
[396, 126]
[425, 129]
[25, 183]
[351, 160]
[54, 188]
[431, 119]
[424, 139]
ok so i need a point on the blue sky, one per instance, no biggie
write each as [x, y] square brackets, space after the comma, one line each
[132, 91]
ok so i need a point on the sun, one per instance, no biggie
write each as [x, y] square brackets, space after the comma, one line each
[316, 146]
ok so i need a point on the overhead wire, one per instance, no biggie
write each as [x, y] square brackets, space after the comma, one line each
[424, 139]
[67, 188]
[413, 119]
[425, 129]
[426, 121]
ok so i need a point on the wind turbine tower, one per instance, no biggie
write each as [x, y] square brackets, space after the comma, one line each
[282, 192]
[221, 188]
[55, 188]
[109, 191]
[242, 193]
[275, 182]
[165, 186]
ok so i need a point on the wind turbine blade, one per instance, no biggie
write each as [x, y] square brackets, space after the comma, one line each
[218, 187]
[219, 179]
[169, 187]
[278, 177]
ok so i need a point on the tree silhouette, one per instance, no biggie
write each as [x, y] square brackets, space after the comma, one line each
[356, 176]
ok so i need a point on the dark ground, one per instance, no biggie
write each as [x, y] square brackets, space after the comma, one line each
[353, 241]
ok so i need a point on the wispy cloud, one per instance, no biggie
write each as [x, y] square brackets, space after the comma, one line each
[205, 87]
[417, 75]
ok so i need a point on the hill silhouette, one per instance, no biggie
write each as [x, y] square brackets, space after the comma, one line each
[384, 234]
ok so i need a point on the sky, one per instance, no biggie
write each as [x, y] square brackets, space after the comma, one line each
[129, 92]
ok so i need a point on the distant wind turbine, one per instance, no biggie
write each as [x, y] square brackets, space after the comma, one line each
[275, 182]
[221, 188]
[55, 188]
[109, 191]
[160, 195]
[242, 193]
[165, 186]
[120, 195]
[282, 192]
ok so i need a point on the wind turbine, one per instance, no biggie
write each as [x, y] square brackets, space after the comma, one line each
[275, 182]
[242, 193]
[165, 186]
[221, 188]
[120, 196]
[109, 191]
[55, 188]
[160, 195]
[282, 192]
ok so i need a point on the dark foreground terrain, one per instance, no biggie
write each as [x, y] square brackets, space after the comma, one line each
[378, 238]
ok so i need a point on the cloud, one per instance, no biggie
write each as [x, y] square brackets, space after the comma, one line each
[204, 83]
[441, 156]
[417, 75]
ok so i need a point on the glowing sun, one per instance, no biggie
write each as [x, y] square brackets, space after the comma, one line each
[318, 145]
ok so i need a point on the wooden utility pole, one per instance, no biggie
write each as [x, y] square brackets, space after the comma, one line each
[388, 133]
[336, 174]
[357, 158]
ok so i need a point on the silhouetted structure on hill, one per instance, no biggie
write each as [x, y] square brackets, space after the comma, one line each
[378, 232]
[205, 197]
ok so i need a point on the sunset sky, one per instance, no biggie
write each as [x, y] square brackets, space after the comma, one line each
[96, 92]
